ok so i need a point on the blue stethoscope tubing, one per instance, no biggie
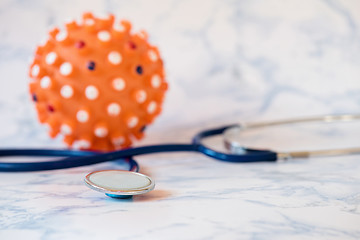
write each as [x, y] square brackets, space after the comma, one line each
[84, 158]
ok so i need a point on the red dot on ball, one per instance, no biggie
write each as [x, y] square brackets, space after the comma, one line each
[80, 44]
[51, 108]
[132, 45]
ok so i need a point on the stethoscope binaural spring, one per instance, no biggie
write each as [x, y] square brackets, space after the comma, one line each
[237, 153]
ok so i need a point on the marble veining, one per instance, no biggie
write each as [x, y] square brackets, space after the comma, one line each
[226, 61]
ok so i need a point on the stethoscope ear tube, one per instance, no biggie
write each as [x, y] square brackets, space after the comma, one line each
[249, 155]
[73, 159]
[239, 153]
[84, 158]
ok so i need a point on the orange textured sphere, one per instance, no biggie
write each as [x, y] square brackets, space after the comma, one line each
[97, 84]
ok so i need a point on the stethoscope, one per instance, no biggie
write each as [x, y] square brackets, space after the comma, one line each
[127, 183]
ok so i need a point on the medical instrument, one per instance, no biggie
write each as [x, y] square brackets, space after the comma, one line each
[119, 183]
[236, 153]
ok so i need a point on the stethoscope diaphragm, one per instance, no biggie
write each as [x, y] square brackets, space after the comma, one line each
[119, 183]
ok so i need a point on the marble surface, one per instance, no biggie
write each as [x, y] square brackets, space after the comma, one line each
[226, 61]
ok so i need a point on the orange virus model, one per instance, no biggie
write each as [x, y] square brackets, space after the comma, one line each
[97, 84]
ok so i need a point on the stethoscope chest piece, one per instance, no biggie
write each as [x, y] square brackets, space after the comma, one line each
[119, 183]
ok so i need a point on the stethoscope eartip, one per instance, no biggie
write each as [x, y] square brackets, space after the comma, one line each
[119, 184]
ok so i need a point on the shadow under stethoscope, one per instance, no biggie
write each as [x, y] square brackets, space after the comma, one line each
[155, 195]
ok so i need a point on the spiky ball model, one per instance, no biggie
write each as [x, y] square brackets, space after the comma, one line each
[97, 84]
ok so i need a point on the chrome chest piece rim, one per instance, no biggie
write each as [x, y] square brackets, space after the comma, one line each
[119, 183]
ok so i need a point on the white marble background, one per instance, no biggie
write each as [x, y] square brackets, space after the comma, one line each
[226, 61]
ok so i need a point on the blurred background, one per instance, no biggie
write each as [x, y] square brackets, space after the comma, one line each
[226, 61]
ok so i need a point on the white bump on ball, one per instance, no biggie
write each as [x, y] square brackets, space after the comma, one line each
[91, 92]
[51, 58]
[151, 107]
[35, 70]
[152, 55]
[156, 81]
[114, 57]
[118, 84]
[113, 109]
[89, 22]
[100, 132]
[66, 69]
[142, 35]
[104, 36]
[45, 82]
[65, 129]
[132, 122]
[61, 36]
[141, 96]
[118, 141]
[67, 91]
[81, 144]
[82, 116]
[118, 27]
